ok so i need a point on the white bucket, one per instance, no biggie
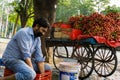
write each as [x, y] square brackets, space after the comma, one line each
[69, 71]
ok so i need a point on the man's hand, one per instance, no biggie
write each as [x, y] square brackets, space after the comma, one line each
[28, 61]
[41, 67]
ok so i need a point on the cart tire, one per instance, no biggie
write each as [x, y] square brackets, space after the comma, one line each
[85, 58]
[59, 55]
[105, 61]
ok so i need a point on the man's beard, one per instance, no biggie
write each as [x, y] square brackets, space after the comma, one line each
[38, 34]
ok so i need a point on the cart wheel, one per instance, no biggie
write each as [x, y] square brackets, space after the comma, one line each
[105, 61]
[85, 58]
[59, 55]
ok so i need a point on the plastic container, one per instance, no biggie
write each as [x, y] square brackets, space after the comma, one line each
[69, 71]
[44, 76]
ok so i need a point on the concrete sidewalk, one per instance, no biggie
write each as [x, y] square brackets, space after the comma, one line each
[4, 40]
[3, 44]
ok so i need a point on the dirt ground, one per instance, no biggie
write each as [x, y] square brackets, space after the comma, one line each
[55, 75]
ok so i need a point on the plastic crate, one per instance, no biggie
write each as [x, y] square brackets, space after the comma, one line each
[44, 76]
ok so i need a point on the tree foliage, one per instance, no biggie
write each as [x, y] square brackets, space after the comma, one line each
[111, 9]
[25, 10]
[100, 4]
[67, 8]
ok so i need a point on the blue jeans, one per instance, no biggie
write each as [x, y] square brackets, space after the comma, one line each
[22, 70]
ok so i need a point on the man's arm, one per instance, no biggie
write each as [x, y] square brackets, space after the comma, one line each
[41, 67]
[29, 63]
[39, 56]
[23, 44]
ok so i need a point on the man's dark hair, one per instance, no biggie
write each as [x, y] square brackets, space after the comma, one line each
[42, 22]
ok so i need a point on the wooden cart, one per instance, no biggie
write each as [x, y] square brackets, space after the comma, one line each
[90, 54]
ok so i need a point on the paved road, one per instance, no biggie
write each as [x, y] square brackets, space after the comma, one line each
[94, 76]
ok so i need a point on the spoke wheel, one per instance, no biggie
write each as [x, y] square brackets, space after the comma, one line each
[59, 55]
[105, 61]
[84, 57]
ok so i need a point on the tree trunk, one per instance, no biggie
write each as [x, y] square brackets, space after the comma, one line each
[6, 25]
[45, 8]
[23, 20]
[15, 26]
